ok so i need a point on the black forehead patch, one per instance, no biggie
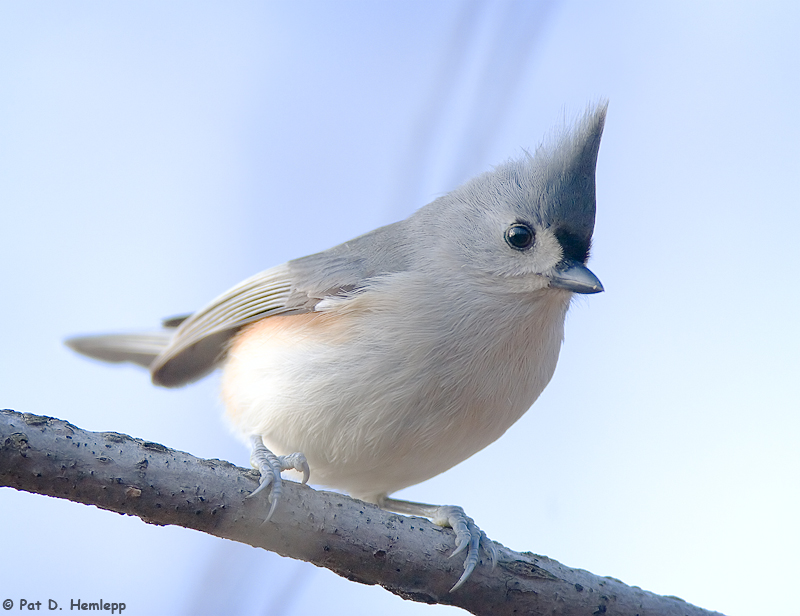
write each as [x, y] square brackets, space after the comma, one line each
[576, 247]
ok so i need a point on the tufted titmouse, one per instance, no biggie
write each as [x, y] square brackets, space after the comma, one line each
[390, 358]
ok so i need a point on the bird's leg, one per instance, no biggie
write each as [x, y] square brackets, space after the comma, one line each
[468, 535]
[270, 467]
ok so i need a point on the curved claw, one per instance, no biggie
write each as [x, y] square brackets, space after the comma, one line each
[469, 537]
[298, 462]
[270, 467]
[474, 542]
[266, 480]
[274, 497]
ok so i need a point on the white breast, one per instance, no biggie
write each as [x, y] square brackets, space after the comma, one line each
[394, 385]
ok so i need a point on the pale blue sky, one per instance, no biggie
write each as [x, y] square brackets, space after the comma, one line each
[152, 155]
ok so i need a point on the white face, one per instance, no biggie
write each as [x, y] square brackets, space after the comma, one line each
[528, 270]
[497, 230]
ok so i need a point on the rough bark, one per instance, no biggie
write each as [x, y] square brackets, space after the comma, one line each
[407, 556]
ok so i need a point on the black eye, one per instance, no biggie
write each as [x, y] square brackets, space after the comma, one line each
[519, 236]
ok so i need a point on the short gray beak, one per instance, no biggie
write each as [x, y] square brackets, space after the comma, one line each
[575, 277]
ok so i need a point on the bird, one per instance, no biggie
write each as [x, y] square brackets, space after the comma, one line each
[388, 359]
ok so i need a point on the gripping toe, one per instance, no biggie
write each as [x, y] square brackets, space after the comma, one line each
[468, 537]
[270, 466]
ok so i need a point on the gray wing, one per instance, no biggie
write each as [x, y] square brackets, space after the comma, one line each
[189, 347]
[200, 341]
[347, 266]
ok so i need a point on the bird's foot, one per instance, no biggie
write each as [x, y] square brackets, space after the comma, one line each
[468, 536]
[270, 466]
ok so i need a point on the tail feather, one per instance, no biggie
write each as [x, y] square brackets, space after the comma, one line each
[138, 348]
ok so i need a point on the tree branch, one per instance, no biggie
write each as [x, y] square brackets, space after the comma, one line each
[359, 541]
